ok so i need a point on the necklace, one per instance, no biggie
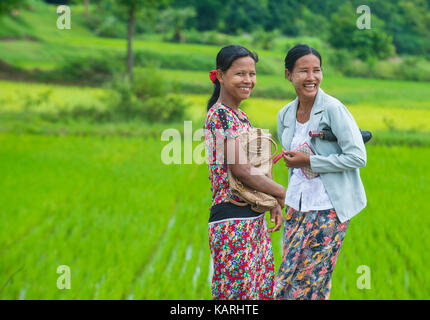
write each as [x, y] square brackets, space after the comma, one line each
[302, 115]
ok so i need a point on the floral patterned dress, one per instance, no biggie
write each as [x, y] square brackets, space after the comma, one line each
[240, 246]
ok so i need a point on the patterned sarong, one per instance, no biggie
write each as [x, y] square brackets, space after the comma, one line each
[312, 242]
[243, 260]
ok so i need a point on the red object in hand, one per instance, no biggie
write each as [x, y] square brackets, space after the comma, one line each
[212, 75]
[278, 157]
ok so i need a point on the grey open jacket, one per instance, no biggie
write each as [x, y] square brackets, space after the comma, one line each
[337, 162]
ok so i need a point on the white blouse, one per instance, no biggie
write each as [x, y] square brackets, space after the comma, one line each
[305, 194]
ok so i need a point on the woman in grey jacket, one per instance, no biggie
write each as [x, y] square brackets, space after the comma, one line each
[321, 200]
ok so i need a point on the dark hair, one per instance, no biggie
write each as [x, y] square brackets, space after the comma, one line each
[224, 59]
[297, 52]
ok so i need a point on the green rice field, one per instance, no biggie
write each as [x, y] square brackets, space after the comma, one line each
[97, 198]
[371, 113]
[131, 227]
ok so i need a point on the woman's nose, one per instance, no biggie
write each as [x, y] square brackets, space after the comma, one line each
[310, 75]
[247, 78]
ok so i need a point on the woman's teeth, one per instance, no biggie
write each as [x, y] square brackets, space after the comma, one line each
[310, 86]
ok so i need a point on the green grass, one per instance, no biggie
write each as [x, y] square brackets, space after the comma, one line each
[404, 114]
[22, 104]
[38, 97]
[100, 203]
[70, 202]
[263, 112]
[390, 235]
[96, 196]
[103, 207]
[350, 91]
[39, 21]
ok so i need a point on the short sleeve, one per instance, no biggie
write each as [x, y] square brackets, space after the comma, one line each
[223, 125]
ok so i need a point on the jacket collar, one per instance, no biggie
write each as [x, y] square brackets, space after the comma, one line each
[318, 106]
[317, 109]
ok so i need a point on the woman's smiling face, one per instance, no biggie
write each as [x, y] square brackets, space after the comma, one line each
[306, 76]
[239, 79]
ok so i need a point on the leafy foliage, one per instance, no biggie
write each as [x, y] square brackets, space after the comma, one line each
[406, 23]
[93, 69]
[7, 5]
[148, 96]
[174, 21]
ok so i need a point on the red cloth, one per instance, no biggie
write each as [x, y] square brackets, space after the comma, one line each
[212, 75]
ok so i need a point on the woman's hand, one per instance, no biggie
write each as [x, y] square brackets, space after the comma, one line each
[276, 218]
[295, 159]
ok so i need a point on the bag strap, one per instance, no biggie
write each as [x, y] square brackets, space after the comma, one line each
[258, 142]
[259, 145]
[240, 204]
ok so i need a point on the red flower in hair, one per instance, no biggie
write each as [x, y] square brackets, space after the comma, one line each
[212, 75]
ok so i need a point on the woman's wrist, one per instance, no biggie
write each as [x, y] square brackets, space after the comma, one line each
[280, 193]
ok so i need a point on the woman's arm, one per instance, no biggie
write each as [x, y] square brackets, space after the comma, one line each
[349, 140]
[280, 127]
[252, 177]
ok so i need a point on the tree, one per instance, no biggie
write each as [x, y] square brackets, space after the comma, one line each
[374, 43]
[133, 7]
[342, 26]
[86, 8]
[307, 22]
[407, 21]
[175, 20]
[264, 39]
[243, 15]
[210, 13]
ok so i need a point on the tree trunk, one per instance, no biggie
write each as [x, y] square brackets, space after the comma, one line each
[130, 42]
[86, 10]
[178, 36]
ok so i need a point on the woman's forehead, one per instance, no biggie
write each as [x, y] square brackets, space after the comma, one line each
[308, 60]
[243, 63]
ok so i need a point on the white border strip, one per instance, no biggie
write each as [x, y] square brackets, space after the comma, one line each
[229, 219]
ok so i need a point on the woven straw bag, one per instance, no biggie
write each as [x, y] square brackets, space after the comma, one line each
[257, 145]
